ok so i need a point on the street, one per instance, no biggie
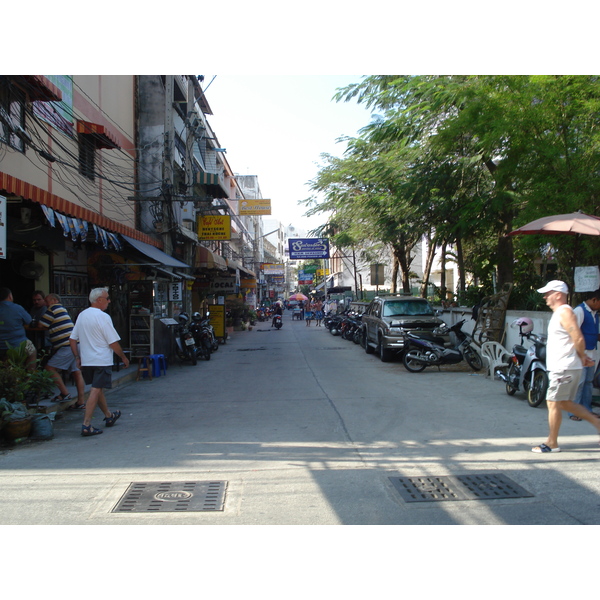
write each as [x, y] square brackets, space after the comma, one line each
[303, 428]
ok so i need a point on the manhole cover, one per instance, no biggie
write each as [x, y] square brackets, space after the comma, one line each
[482, 486]
[173, 496]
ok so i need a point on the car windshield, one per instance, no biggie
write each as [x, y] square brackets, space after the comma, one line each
[403, 308]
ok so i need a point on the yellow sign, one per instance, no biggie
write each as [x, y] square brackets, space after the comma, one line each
[322, 272]
[217, 319]
[214, 227]
[255, 207]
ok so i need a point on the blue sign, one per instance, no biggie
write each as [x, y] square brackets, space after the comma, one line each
[303, 248]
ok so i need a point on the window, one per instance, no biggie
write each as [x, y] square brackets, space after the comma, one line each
[87, 156]
[12, 115]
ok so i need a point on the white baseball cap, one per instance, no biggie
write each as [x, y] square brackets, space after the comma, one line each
[555, 286]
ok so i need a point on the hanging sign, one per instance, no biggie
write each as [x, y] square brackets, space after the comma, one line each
[214, 227]
[309, 248]
[255, 207]
[273, 269]
[175, 291]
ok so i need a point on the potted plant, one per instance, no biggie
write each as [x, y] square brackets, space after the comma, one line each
[252, 317]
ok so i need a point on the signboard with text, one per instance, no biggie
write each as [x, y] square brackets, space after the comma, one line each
[214, 227]
[255, 207]
[305, 248]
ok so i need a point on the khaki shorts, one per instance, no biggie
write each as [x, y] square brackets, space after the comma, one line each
[563, 386]
[63, 360]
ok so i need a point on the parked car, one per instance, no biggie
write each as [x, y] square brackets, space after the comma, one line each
[387, 316]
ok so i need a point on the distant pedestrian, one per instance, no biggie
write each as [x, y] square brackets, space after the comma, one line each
[98, 340]
[60, 326]
[588, 319]
[13, 320]
[566, 356]
[318, 312]
[308, 312]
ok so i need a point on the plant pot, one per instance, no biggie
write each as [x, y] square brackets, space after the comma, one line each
[14, 430]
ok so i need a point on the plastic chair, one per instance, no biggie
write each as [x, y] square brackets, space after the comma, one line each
[496, 356]
[158, 362]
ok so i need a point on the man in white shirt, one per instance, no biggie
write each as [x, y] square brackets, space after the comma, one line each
[566, 357]
[98, 340]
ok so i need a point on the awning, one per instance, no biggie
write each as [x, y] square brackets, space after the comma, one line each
[213, 184]
[40, 88]
[207, 259]
[99, 133]
[158, 256]
[233, 265]
[27, 191]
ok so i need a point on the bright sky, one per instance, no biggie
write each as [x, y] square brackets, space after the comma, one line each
[277, 127]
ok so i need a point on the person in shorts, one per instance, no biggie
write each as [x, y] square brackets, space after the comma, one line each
[566, 357]
[97, 339]
[59, 324]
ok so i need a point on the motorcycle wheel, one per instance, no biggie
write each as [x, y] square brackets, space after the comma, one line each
[356, 337]
[511, 375]
[539, 387]
[473, 358]
[412, 365]
[182, 356]
[192, 355]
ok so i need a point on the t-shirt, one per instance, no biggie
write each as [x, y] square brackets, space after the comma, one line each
[560, 350]
[13, 318]
[59, 324]
[95, 332]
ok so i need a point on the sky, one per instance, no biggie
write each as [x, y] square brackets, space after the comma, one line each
[277, 126]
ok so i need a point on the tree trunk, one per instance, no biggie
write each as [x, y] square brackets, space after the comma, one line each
[431, 246]
[395, 267]
[460, 263]
[443, 289]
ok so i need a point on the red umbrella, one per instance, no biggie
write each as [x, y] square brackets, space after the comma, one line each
[298, 296]
[577, 223]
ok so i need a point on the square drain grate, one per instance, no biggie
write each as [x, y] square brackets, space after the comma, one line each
[173, 496]
[481, 486]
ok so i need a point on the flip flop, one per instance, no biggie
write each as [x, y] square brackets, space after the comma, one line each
[543, 449]
[574, 418]
[76, 407]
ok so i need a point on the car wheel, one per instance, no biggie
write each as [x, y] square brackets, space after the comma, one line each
[365, 344]
[384, 354]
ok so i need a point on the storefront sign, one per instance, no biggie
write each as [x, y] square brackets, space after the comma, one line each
[223, 285]
[587, 279]
[255, 207]
[309, 248]
[273, 269]
[2, 227]
[175, 291]
[214, 227]
[217, 319]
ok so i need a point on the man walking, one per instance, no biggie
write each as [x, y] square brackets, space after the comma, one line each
[13, 320]
[588, 320]
[98, 340]
[59, 324]
[566, 356]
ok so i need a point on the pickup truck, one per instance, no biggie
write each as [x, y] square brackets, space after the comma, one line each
[387, 316]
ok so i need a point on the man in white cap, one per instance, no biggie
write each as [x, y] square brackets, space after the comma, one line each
[566, 358]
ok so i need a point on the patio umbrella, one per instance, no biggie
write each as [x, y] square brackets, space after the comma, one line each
[298, 296]
[577, 223]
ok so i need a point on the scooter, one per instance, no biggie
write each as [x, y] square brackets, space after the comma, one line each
[527, 366]
[185, 346]
[202, 338]
[423, 350]
[278, 321]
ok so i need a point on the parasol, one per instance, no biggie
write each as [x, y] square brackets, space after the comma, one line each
[298, 296]
[577, 223]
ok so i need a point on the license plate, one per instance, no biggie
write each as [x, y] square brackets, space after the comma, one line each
[189, 342]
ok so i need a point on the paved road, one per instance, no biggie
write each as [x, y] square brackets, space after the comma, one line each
[305, 428]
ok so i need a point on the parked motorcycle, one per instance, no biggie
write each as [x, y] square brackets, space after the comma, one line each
[349, 326]
[202, 337]
[333, 323]
[527, 366]
[277, 321]
[185, 346]
[423, 349]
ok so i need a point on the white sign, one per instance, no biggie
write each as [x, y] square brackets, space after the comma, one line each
[587, 279]
[223, 285]
[175, 291]
[3, 250]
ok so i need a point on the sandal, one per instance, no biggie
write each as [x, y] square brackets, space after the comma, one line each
[110, 421]
[76, 407]
[87, 430]
[61, 398]
[574, 418]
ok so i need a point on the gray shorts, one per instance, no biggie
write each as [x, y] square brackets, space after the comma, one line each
[563, 386]
[98, 377]
[63, 360]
